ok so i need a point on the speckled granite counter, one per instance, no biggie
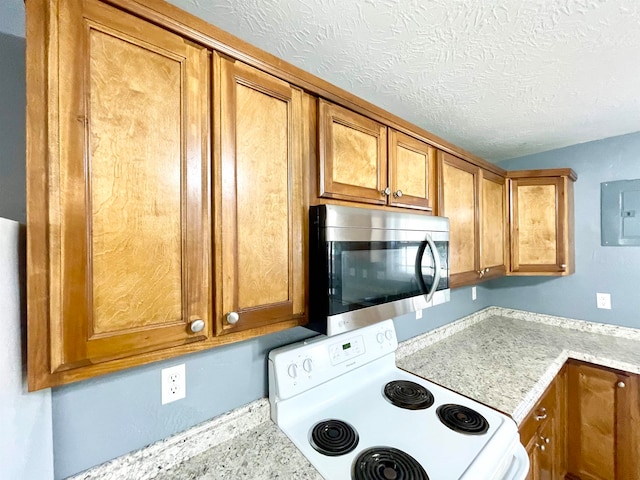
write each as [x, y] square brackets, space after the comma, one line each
[507, 362]
[504, 358]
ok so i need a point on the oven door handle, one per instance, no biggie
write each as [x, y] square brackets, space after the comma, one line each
[436, 261]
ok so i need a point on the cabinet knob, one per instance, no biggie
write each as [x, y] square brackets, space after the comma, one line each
[541, 414]
[480, 273]
[386, 191]
[232, 318]
[486, 270]
[542, 447]
[397, 193]
[621, 385]
[563, 266]
[197, 325]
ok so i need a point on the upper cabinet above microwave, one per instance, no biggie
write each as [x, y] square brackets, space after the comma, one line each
[361, 160]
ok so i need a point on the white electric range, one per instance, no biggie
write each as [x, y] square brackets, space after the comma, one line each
[355, 415]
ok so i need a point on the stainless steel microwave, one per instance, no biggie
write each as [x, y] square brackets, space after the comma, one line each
[368, 265]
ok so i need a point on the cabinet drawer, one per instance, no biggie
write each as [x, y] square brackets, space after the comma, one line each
[545, 408]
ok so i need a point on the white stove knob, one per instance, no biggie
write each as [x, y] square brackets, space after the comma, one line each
[307, 365]
[292, 370]
[380, 338]
[388, 334]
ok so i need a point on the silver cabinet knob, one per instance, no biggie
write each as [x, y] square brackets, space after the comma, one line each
[542, 447]
[397, 193]
[563, 266]
[621, 385]
[197, 325]
[486, 270]
[480, 273]
[386, 191]
[233, 317]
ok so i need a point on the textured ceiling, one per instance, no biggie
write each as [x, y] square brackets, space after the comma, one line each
[500, 79]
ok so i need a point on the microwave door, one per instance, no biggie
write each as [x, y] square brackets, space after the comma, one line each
[427, 242]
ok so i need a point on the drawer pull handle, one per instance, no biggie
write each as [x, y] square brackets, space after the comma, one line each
[541, 414]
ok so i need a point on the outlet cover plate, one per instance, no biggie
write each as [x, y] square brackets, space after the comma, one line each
[603, 300]
[174, 385]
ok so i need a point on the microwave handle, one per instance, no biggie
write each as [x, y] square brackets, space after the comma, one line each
[436, 260]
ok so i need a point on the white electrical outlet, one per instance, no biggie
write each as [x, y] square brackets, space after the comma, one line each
[474, 293]
[418, 314]
[174, 385]
[603, 300]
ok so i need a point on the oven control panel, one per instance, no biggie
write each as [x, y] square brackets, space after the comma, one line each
[346, 350]
[304, 365]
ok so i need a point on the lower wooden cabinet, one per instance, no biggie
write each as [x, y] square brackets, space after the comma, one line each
[586, 426]
[543, 433]
[542, 450]
[603, 423]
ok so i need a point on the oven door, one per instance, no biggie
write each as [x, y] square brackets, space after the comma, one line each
[368, 276]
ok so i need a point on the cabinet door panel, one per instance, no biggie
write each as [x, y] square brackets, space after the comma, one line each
[603, 423]
[459, 203]
[260, 274]
[494, 225]
[411, 172]
[131, 252]
[353, 155]
[540, 227]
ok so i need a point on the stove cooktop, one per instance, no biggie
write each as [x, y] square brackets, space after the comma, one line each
[345, 405]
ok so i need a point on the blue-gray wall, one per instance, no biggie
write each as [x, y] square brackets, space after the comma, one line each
[99, 419]
[12, 131]
[614, 270]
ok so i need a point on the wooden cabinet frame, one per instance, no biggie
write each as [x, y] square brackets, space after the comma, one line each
[58, 245]
[383, 175]
[561, 221]
[228, 253]
[330, 115]
[398, 140]
[481, 270]
[603, 423]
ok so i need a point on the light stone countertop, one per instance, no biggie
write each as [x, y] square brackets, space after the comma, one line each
[508, 362]
[503, 358]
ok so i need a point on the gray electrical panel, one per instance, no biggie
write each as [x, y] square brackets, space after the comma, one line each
[620, 213]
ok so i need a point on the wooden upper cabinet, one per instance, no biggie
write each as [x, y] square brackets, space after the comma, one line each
[459, 202]
[260, 222]
[353, 155]
[542, 222]
[412, 172]
[474, 200]
[603, 423]
[494, 225]
[363, 161]
[118, 213]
